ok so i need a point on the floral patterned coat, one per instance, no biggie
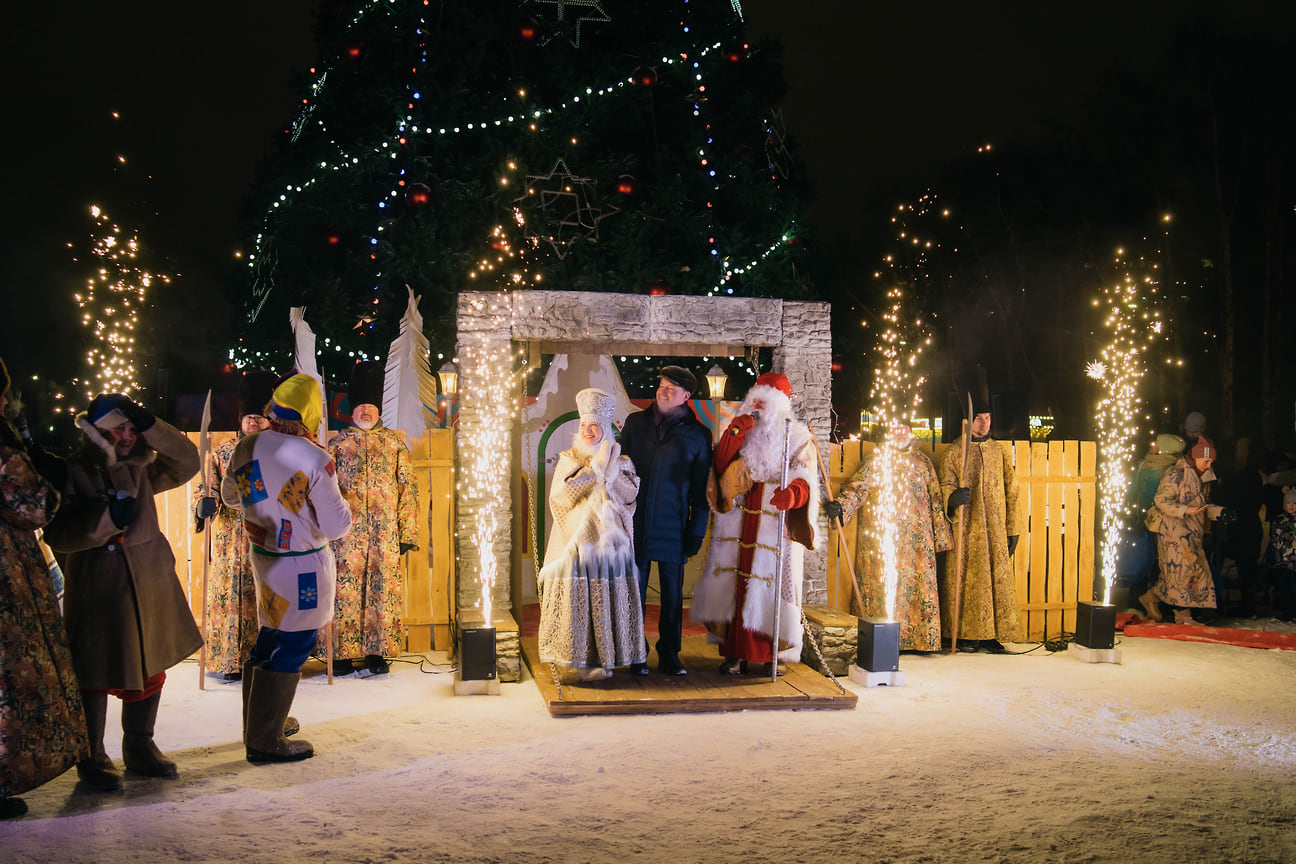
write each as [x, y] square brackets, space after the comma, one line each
[376, 476]
[1185, 575]
[923, 531]
[42, 724]
[989, 590]
[231, 587]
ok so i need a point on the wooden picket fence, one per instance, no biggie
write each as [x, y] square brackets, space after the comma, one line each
[1057, 501]
[429, 573]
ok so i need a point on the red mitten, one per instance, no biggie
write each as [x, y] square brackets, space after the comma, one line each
[732, 440]
[797, 494]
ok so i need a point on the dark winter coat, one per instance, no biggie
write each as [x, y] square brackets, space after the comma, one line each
[671, 512]
[127, 617]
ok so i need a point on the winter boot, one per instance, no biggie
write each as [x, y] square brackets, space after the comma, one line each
[98, 772]
[139, 752]
[1151, 606]
[269, 699]
[1184, 616]
[291, 726]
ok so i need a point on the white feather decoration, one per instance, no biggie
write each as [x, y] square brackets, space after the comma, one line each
[304, 361]
[409, 393]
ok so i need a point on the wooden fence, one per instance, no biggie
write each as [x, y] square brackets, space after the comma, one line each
[1057, 501]
[429, 572]
[1054, 563]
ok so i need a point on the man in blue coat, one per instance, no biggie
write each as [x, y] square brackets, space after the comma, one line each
[671, 452]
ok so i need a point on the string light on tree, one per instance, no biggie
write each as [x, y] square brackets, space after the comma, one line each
[110, 306]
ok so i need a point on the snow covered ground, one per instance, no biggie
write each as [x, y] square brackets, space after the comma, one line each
[1185, 752]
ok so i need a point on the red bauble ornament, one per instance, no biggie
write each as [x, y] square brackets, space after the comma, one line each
[333, 238]
[626, 184]
[528, 29]
[838, 364]
[645, 76]
[419, 195]
[659, 289]
[736, 53]
[353, 51]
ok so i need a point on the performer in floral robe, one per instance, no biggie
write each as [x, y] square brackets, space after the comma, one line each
[231, 587]
[922, 531]
[1185, 581]
[988, 594]
[42, 727]
[376, 476]
[591, 619]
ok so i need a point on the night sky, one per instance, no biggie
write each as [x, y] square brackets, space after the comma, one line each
[879, 93]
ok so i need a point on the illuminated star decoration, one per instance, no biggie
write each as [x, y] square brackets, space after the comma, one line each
[565, 210]
[590, 10]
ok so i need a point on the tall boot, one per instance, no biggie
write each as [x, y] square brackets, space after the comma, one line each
[291, 726]
[97, 772]
[269, 700]
[139, 752]
[1151, 605]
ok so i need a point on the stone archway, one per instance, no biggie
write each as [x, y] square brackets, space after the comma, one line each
[488, 323]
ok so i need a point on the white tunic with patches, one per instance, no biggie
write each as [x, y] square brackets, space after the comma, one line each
[292, 508]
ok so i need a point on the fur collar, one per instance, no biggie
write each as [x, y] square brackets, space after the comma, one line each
[141, 455]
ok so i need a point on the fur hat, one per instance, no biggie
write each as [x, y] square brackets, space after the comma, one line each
[680, 377]
[4, 378]
[367, 384]
[105, 410]
[1195, 423]
[595, 406]
[1289, 497]
[297, 397]
[778, 381]
[1170, 445]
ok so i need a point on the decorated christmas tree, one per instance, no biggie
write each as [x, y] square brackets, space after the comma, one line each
[587, 145]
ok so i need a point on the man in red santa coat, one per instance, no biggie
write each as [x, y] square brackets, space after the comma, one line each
[735, 598]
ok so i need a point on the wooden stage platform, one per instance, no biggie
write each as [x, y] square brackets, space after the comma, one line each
[702, 689]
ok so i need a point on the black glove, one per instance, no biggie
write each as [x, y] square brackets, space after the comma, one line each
[139, 416]
[693, 545]
[959, 497]
[1226, 516]
[206, 507]
[123, 510]
[1012, 544]
[406, 547]
[833, 510]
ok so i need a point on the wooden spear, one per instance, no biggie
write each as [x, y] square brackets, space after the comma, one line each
[958, 536]
[844, 553]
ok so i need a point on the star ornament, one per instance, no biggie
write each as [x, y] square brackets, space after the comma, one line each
[565, 214]
[578, 11]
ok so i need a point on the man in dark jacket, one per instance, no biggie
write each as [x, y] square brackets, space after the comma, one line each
[671, 452]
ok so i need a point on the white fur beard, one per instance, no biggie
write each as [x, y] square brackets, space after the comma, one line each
[763, 449]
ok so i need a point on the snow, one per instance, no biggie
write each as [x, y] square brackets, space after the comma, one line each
[1184, 752]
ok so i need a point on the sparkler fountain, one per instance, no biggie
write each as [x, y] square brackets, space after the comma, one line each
[1132, 322]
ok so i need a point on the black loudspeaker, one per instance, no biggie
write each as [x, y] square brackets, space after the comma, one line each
[1095, 625]
[878, 647]
[477, 653]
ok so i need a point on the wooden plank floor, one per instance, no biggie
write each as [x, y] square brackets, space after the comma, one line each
[703, 689]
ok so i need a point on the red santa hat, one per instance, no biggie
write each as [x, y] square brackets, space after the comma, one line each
[775, 389]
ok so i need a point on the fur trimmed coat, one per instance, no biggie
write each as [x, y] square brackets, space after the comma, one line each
[752, 522]
[127, 617]
[590, 614]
